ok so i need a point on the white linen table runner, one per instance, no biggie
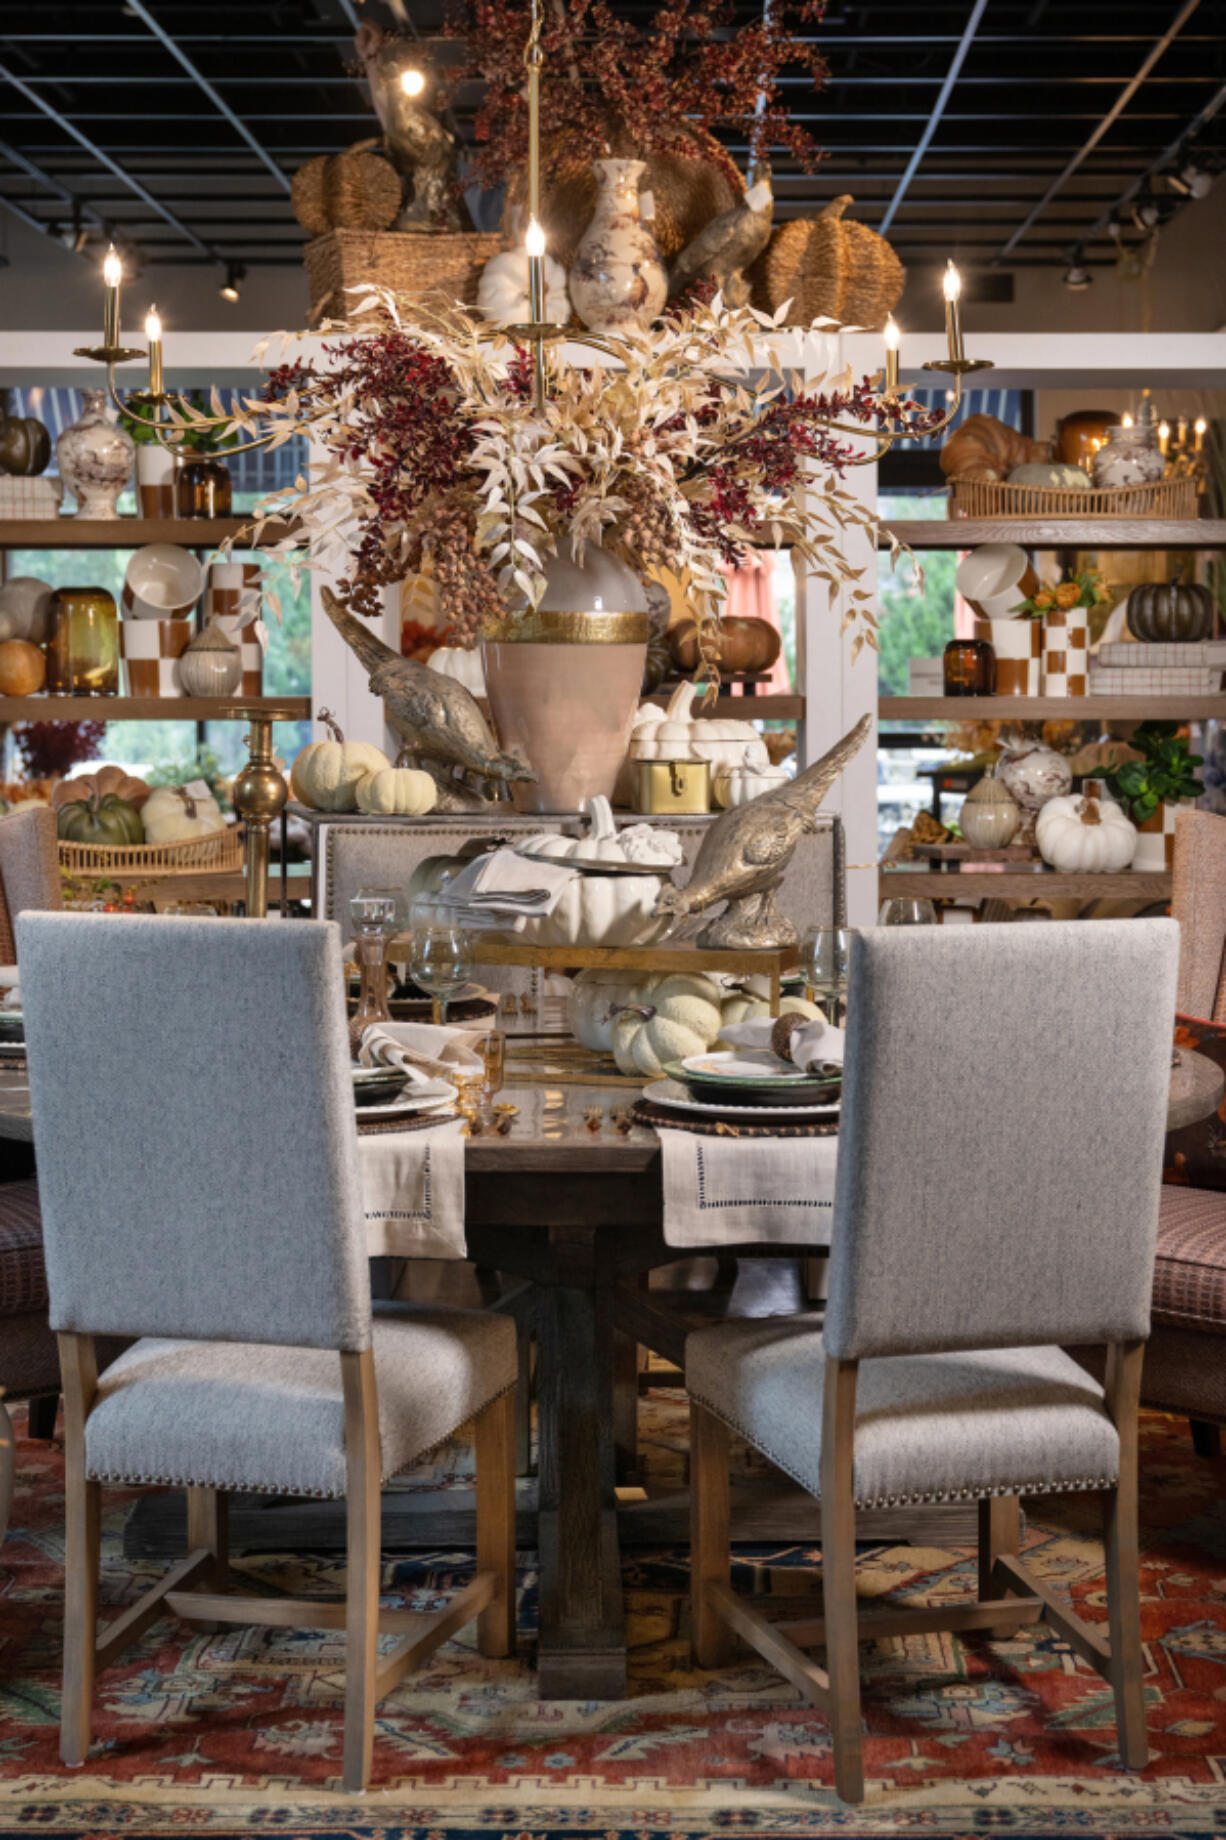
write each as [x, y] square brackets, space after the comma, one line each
[728, 1191]
[413, 1192]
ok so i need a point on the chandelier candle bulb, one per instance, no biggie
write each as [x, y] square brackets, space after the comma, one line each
[891, 355]
[153, 332]
[1200, 430]
[953, 319]
[1164, 436]
[412, 82]
[112, 275]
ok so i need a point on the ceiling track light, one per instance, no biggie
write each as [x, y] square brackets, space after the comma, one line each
[1077, 276]
[231, 287]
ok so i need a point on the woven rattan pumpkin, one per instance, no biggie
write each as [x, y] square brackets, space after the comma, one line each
[356, 190]
[688, 190]
[829, 267]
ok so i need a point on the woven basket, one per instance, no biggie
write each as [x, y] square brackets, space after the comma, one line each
[434, 271]
[221, 852]
[354, 190]
[688, 191]
[829, 267]
[990, 498]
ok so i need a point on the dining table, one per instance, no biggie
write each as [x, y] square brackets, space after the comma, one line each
[568, 1204]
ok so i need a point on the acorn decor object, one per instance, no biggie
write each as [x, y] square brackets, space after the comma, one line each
[211, 664]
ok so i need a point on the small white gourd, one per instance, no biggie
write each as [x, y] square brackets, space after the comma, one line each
[738, 784]
[503, 296]
[666, 1019]
[1085, 835]
[326, 774]
[592, 1004]
[172, 814]
[744, 1006]
[465, 667]
[400, 791]
[676, 733]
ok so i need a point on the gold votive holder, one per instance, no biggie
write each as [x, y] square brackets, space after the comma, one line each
[672, 787]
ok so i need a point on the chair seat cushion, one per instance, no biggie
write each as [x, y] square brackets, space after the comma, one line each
[1190, 1273]
[250, 1416]
[931, 1427]
[23, 1275]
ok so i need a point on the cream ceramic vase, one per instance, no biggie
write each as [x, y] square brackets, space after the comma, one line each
[617, 280]
[563, 681]
[95, 458]
[990, 817]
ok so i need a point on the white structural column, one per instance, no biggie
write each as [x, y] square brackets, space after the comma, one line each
[338, 676]
[836, 691]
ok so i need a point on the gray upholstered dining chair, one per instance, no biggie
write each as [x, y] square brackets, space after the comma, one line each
[1000, 1156]
[198, 1156]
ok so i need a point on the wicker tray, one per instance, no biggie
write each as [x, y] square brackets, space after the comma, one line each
[660, 1117]
[435, 270]
[985, 498]
[220, 853]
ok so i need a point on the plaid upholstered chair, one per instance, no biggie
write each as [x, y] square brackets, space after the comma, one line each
[1185, 1362]
[234, 1247]
[970, 1243]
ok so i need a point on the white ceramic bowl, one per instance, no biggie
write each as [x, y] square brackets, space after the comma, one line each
[163, 582]
[991, 576]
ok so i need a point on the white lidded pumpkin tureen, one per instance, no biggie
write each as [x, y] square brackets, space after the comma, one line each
[676, 733]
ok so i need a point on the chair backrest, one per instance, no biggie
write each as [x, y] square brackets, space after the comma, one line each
[29, 870]
[194, 1128]
[1199, 904]
[1000, 1148]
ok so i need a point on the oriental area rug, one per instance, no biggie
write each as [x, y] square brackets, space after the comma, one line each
[239, 1733]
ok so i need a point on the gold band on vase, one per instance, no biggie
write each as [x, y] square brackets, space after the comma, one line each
[564, 627]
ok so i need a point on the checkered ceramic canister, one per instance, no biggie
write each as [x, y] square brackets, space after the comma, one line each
[1066, 651]
[233, 598]
[150, 651]
[1017, 645]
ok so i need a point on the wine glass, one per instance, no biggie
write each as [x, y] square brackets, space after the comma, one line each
[440, 957]
[907, 912]
[824, 958]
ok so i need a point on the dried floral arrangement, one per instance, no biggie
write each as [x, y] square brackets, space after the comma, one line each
[689, 62]
[699, 445]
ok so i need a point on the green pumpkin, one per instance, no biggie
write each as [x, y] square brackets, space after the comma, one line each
[1161, 612]
[1049, 473]
[108, 820]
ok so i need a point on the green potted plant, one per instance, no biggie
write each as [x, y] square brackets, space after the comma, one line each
[202, 485]
[1152, 789]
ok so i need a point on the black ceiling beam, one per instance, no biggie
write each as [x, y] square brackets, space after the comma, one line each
[1113, 113]
[1168, 154]
[121, 173]
[223, 108]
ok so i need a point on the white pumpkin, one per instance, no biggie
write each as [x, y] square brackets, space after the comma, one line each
[744, 1006]
[737, 785]
[593, 996]
[400, 791]
[666, 1019]
[1085, 835]
[465, 667]
[502, 292]
[172, 814]
[326, 774]
[676, 733]
[603, 842]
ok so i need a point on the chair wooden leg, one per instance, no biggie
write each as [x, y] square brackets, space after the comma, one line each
[362, 1566]
[82, 1554]
[7, 1465]
[1206, 1438]
[43, 1414]
[525, 1342]
[1000, 1536]
[1123, 1393]
[496, 1523]
[839, 1577]
[207, 1527]
[710, 1540]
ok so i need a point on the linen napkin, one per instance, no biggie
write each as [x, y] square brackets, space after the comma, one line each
[10, 989]
[503, 882]
[413, 1192]
[424, 1050]
[808, 1044]
[731, 1191]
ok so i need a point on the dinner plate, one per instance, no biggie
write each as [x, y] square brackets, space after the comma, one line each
[435, 1099]
[742, 1067]
[754, 1078]
[672, 1093]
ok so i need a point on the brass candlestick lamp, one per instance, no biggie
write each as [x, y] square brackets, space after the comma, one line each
[260, 794]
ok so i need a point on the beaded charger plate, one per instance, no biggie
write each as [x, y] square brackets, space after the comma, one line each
[643, 1111]
[375, 1127]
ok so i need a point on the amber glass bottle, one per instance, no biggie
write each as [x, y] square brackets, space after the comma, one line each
[204, 489]
[969, 668]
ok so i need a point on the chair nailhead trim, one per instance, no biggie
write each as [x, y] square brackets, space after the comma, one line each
[1077, 1486]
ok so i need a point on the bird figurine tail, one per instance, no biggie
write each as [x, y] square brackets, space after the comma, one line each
[369, 647]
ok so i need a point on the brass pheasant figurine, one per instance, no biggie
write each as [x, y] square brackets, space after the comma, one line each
[746, 851]
[436, 718]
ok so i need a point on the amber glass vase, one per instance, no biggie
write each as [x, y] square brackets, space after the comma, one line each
[969, 667]
[204, 489]
[83, 653]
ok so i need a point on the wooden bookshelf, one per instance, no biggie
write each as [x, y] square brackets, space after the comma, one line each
[142, 708]
[129, 532]
[1013, 885]
[1057, 533]
[1045, 708]
[749, 708]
